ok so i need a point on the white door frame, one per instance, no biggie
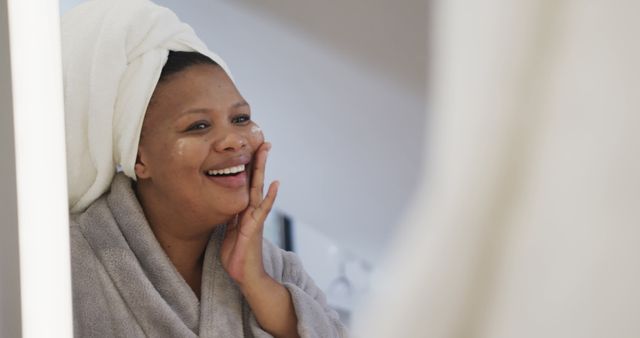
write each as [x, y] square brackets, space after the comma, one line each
[40, 179]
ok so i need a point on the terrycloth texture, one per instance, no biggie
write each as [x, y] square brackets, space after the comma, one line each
[113, 52]
[124, 285]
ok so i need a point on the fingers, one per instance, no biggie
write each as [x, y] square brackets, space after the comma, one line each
[252, 219]
[257, 178]
[260, 213]
[233, 224]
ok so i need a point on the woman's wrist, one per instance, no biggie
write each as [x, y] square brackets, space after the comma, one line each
[256, 282]
[272, 305]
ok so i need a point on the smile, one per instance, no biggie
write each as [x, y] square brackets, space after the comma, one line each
[227, 171]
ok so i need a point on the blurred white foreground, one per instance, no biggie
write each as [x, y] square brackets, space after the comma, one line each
[531, 223]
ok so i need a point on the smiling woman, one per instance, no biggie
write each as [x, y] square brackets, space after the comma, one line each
[172, 246]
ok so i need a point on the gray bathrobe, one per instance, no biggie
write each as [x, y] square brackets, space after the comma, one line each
[124, 285]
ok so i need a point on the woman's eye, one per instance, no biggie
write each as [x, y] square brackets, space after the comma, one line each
[241, 119]
[198, 126]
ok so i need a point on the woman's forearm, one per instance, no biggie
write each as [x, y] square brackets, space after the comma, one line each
[271, 303]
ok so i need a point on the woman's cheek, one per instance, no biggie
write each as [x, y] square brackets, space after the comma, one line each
[179, 148]
[187, 151]
[256, 138]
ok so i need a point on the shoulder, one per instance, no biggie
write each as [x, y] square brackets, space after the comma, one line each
[95, 297]
[86, 269]
[84, 241]
[83, 259]
[79, 245]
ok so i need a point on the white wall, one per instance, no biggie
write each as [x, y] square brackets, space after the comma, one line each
[338, 87]
[9, 264]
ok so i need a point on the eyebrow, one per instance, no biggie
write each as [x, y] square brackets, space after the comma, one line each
[234, 106]
[240, 104]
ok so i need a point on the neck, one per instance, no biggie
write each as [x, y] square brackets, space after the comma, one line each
[184, 240]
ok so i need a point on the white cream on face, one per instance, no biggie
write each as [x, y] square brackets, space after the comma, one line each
[180, 147]
[257, 133]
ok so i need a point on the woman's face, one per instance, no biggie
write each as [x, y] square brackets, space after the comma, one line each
[197, 125]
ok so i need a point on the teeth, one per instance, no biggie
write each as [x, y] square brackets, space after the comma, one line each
[226, 171]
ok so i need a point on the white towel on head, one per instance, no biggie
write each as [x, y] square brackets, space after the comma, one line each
[113, 53]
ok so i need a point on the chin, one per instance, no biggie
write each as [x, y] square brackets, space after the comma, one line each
[233, 208]
[240, 206]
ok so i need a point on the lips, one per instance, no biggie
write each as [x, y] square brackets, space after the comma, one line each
[231, 174]
[234, 181]
[226, 171]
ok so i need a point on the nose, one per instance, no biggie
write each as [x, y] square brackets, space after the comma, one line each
[230, 140]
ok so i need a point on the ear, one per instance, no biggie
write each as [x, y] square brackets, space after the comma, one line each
[141, 168]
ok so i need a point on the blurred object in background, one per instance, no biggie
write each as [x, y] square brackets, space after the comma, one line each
[528, 224]
[278, 229]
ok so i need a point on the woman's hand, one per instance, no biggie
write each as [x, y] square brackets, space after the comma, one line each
[241, 256]
[241, 252]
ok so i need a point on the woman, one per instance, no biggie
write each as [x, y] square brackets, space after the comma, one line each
[172, 245]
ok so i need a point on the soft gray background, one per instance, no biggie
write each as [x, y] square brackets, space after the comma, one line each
[339, 89]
